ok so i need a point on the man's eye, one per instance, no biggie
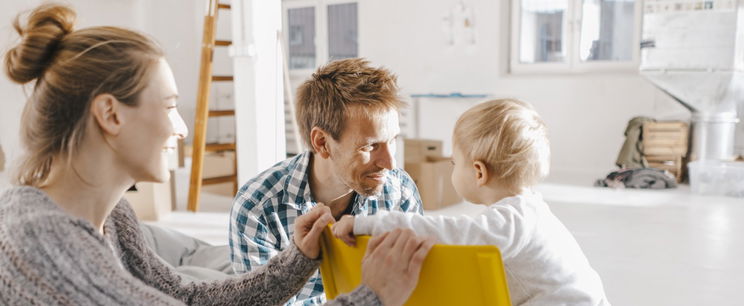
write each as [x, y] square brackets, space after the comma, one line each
[367, 148]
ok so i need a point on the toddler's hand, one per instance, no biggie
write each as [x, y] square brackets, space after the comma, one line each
[344, 230]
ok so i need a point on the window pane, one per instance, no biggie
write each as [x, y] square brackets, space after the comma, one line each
[607, 28]
[342, 31]
[301, 40]
[542, 37]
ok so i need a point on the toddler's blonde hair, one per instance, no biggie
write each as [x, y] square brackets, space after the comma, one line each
[508, 136]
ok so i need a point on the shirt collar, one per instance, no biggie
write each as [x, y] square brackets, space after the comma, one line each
[297, 185]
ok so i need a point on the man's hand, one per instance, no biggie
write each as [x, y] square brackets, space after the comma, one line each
[392, 264]
[344, 230]
[309, 227]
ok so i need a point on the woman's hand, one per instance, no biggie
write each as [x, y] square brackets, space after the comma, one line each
[392, 264]
[344, 230]
[308, 229]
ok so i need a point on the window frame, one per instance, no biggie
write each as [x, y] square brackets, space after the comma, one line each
[321, 29]
[572, 34]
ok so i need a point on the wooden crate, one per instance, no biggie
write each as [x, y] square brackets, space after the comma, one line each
[665, 145]
[675, 164]
[665, 138]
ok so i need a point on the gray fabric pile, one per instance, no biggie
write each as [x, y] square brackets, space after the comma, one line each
[642, 178]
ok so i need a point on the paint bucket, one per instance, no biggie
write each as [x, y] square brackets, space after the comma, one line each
[713, 136]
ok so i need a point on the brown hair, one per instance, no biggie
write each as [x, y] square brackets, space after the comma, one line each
[326, 99]
[509, 137]
[70, 69]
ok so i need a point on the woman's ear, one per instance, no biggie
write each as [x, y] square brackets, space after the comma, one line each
[319, 142]
[105, 110]
[481, 173]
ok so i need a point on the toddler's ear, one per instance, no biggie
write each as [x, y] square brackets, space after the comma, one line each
[481, 173]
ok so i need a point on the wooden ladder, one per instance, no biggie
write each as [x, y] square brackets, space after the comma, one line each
[203, 113]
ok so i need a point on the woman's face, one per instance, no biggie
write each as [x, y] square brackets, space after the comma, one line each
[152, 128]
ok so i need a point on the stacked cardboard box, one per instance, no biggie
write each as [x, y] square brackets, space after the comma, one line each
[218, 164]
[665, 146]
[431, 172]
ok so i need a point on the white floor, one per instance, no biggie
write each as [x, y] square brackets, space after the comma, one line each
[651, 247]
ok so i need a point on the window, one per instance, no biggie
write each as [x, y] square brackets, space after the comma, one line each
[301, 28]
[575, 35]
[318, 31]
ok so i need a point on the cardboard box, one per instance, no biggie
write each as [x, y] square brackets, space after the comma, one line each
[417, 150]
[151, 201]
[224, 189]
[433, 179]
[219, 164]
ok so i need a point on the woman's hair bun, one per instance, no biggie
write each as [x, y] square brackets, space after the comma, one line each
[45, 28]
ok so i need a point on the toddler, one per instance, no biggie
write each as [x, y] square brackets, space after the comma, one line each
[500, 151]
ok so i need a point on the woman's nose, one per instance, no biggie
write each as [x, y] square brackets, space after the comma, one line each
[179, 126]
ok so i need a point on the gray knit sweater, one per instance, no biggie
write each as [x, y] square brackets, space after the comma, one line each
[48, 257]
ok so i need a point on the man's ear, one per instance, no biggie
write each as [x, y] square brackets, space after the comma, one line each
[481, 173]
[105, 110]
[319, 142]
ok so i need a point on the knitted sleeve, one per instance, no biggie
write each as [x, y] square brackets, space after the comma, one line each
[55, 260]
[362, 295]
[271, 284]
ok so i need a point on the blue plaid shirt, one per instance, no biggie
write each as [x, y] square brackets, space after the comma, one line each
[264, 210]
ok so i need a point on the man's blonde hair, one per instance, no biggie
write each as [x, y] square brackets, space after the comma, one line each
[509, 137]
[333, 93]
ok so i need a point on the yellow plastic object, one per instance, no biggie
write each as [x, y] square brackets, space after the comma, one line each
[451, 275]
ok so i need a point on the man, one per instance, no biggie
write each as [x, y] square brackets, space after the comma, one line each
[347, 113]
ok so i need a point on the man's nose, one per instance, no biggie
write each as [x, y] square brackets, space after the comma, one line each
[386, 157]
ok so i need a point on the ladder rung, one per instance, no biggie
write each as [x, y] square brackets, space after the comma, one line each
[220, 147]
[221, 113]
[219, 180]
[223, 42]
[223, 6]
[219, 78]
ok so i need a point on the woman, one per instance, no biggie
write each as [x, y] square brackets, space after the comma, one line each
[102, 112]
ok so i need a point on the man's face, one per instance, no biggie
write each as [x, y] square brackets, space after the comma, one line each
[365, 150]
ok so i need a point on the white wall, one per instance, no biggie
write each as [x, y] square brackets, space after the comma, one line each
[586, 114]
